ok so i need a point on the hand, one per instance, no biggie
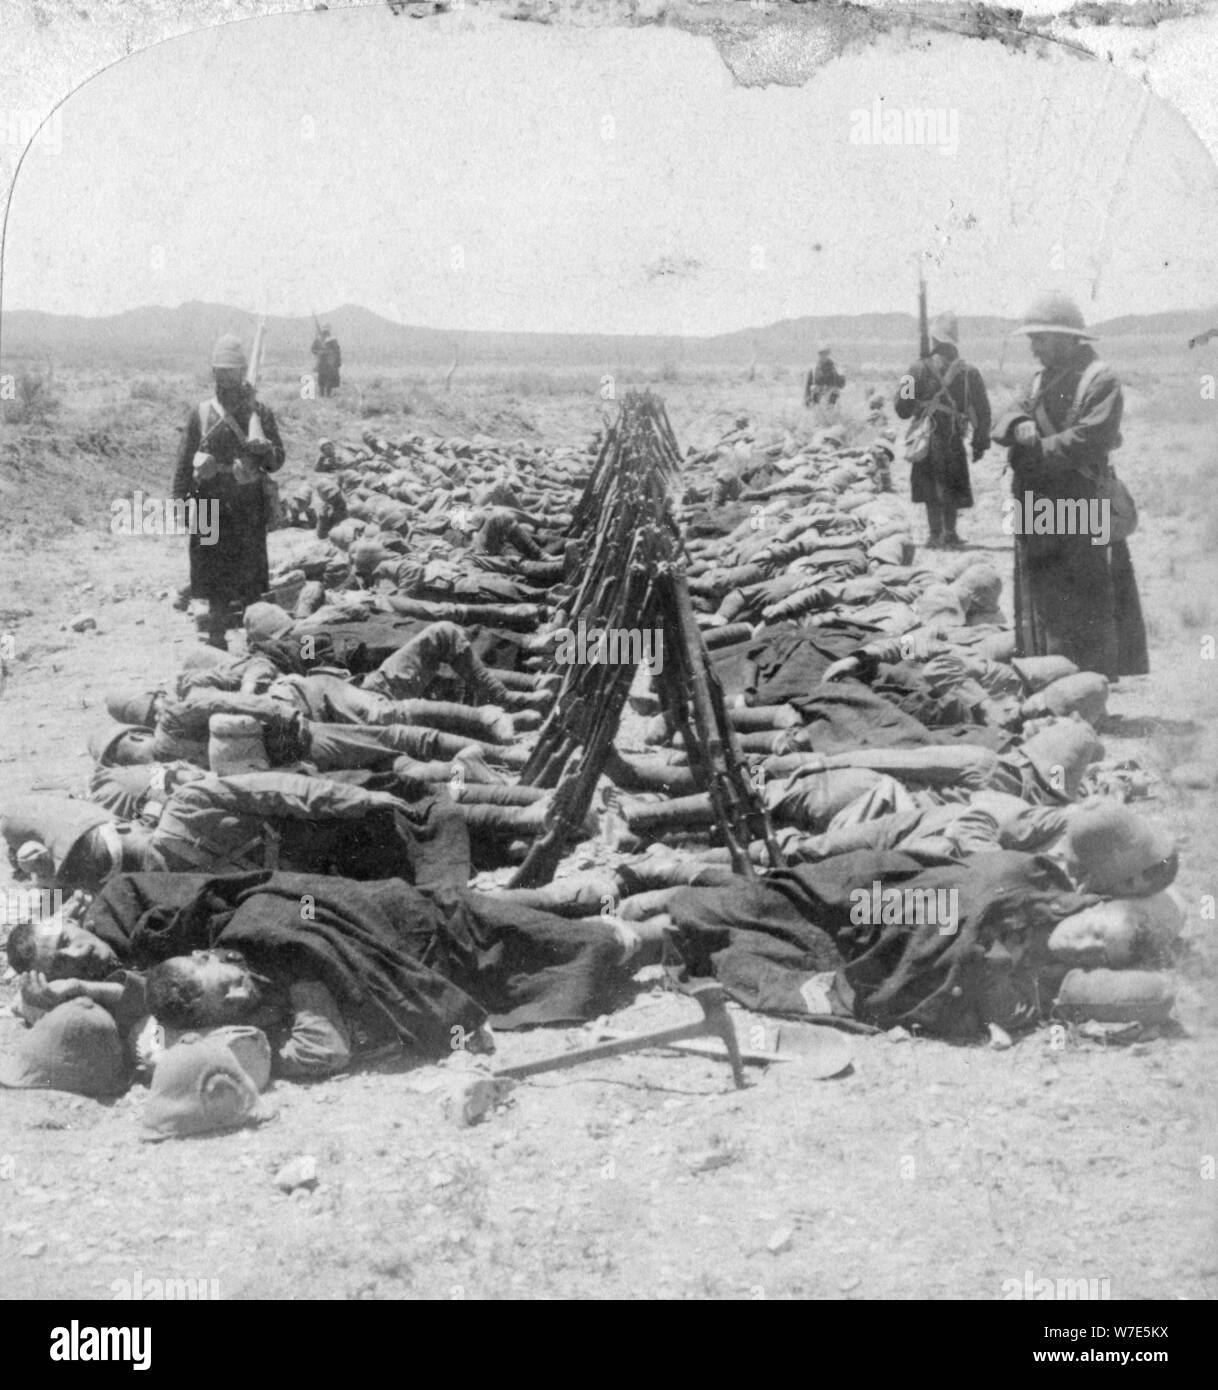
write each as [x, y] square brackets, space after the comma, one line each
[847, 666]
[75, 907]
[259, 448]
[1026, 433]
[37, 992]
[625, 935]
[205, 467]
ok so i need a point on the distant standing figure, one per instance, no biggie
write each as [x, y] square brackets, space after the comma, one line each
[219, 464]
[824, 380]
[329, 358]
[949, 390]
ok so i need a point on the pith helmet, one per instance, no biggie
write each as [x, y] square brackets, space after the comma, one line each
[266, 622]
[1055, 313]
[101, 743]
[944, 328]
[228, 352]
[1111, 850]
[132, 707]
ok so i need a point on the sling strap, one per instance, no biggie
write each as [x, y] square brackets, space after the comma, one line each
[941, 401]
[1045, 425]
[226, 419]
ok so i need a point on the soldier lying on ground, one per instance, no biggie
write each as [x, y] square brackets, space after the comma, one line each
[331, 970]
[249, 821]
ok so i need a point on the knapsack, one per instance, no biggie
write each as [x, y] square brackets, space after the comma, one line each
[922, 426]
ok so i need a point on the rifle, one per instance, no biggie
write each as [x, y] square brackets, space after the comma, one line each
[923, 322]
[252, 372]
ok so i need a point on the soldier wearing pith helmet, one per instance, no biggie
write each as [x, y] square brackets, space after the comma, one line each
[222, 463]
[946, 396]
[1075, 591]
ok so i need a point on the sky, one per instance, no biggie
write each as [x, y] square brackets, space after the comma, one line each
[522, 177]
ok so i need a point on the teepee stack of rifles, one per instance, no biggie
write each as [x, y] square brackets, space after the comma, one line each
[634, 580]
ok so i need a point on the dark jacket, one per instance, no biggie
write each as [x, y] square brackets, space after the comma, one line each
[943, 475]
[234, 567]
[1073, 598]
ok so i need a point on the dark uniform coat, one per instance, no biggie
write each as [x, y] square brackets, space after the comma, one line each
[329, 361]
[1073, 598]
[942, 477]
[235, 568]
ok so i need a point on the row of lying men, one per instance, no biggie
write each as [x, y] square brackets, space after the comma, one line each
[283, 839]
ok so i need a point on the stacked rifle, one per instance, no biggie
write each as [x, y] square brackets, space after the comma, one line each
[633, 580]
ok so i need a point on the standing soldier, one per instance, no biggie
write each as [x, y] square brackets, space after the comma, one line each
[948, 397]
[1075, 594]
[329, 359]
[823, 380]
[220, 460]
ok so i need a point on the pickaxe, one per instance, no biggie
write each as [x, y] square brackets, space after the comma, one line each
[714, 1022]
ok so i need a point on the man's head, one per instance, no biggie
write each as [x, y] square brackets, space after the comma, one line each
[267, 622]
[1052, 349]
[127, 746]
[1055, 328]
[945, 330]
[1109, 935]
[228, 367]
[135, 707]
[206, 989]
[60, 950]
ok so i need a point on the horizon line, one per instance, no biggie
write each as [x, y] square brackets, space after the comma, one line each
[563, 333]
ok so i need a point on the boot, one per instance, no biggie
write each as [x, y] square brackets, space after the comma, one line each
[951, 541]
[216, 624]
[934, 522]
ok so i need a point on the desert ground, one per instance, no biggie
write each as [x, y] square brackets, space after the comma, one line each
[926, 1170]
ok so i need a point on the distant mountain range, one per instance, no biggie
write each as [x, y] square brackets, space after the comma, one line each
[176, 338]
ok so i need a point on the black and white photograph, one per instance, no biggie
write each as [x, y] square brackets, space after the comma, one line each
[608, 635]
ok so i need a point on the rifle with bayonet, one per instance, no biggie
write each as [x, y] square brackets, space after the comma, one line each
[923, 321]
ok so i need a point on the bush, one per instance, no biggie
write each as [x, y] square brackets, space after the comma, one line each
[526, 383]
[35, 403]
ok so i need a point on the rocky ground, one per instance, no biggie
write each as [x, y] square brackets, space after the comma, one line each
[925, 1170]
